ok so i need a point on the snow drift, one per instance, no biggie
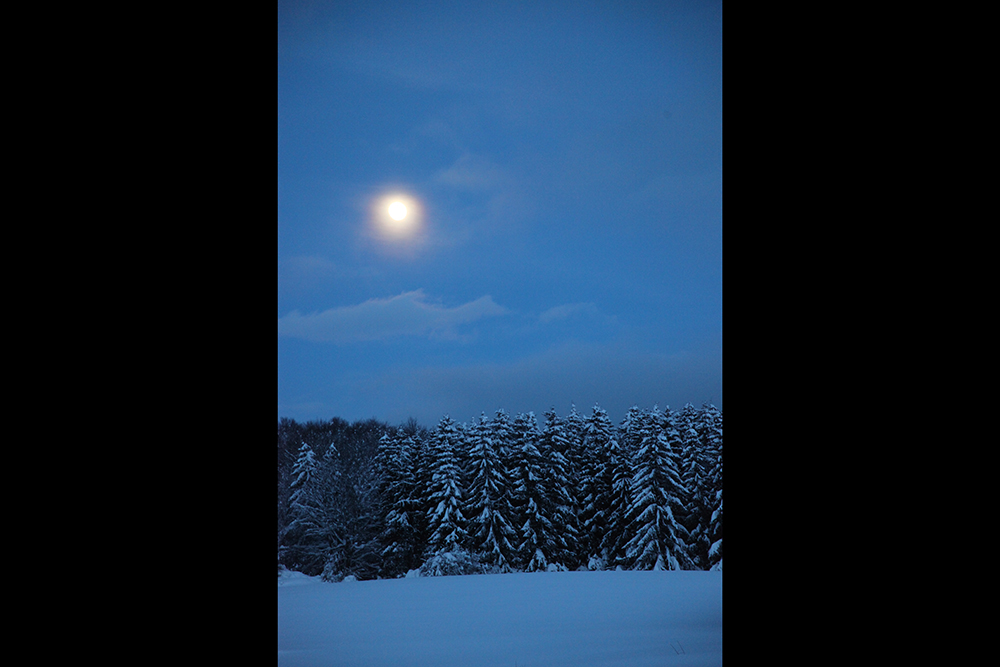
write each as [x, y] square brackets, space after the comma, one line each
[583, 619]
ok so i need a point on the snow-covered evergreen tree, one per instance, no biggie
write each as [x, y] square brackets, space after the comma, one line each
[423, 473]
[446, 523]
[708, 426]
[316, 532]
[487, 507]
[715, 551]
[656, 537]
[574, 425]
[356, 498]
[397, 539]
[712, 436]
[697, 506]
[617, 472]
[557, 491]
[595, 483]
[303, 472]
[349, 548]
[629, 432]
[289, 439]
[502, 435]
[535, 547]
[685, 421]
[700, 449]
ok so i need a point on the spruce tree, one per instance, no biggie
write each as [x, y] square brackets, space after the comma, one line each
[420, 498]
[684, 422]
[316, 533]
[629, 432]
[656, 537]
[303, 472]
[576, 473]
[446, 523]
[535, 548]
[708, 427]
[618, 473]
[397, 539]
[700, 448]
[288, 442]
[715, 551]
[487, 508]
[557, 488]
[697, 506]
[595, 484]
[502, 435]
[713, 438]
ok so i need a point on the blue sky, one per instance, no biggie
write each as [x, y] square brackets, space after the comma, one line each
[562, 167]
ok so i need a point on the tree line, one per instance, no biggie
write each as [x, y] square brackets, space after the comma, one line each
[502, 494]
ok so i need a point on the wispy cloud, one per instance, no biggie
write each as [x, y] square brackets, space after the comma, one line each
[568, 310]
[479, 198]
[409, 314]
[471, 172]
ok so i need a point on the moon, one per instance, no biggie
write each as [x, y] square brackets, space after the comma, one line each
[397, 210]
[397, 217]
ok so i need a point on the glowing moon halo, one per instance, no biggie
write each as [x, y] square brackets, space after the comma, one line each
[397, 210]
[397, 217]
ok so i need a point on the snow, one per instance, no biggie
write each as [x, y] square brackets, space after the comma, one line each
[545, 619]
[290, 578]
[714, 549]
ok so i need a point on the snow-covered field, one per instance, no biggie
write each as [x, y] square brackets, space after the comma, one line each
[546, 619]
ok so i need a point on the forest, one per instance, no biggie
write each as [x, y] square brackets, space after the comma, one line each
[501, 494]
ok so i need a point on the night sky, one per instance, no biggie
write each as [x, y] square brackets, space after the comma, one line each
[561, 168]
